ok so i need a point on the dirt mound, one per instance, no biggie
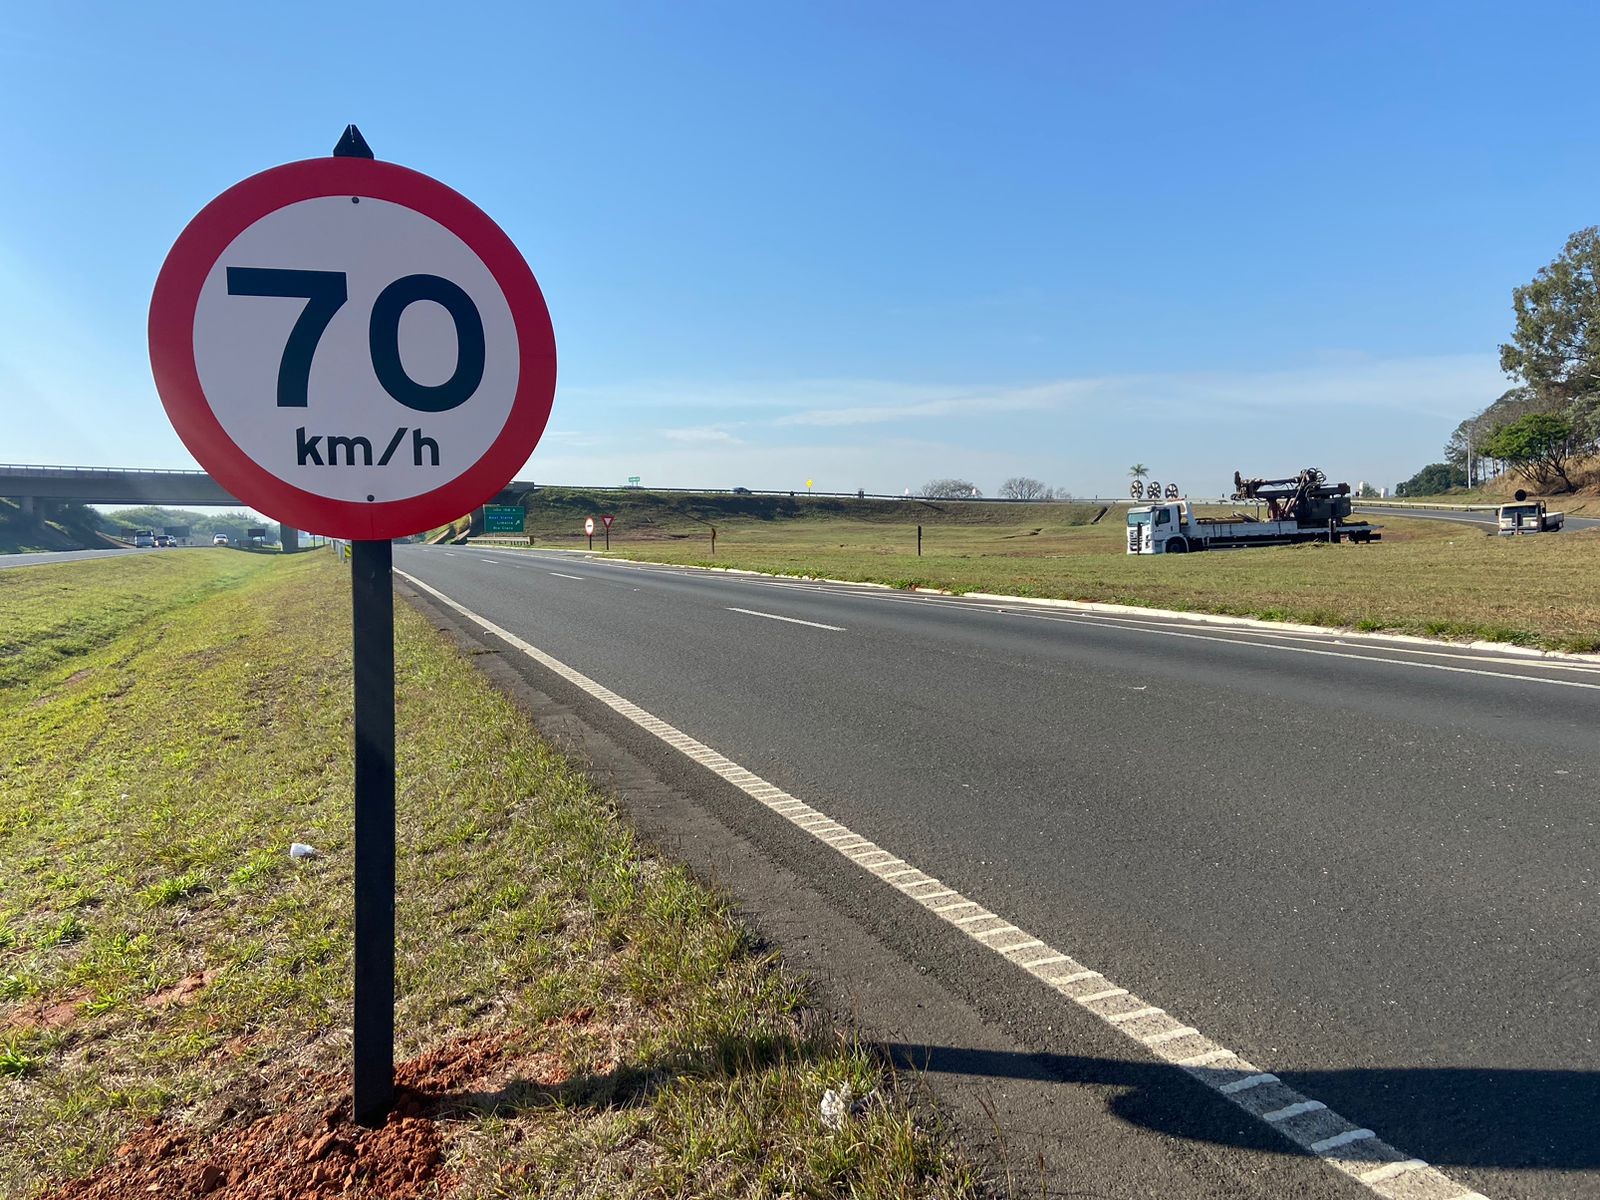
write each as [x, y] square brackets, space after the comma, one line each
[44, 1014]
[309, 1149]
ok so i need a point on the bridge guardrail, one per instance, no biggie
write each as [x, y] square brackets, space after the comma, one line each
[35, 468]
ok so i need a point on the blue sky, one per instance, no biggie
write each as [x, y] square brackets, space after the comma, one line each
[868, 244]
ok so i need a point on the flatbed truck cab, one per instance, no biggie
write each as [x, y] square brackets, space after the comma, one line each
[1528, 516]
[1172, 528]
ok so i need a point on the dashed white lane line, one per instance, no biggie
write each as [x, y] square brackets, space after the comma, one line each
[487, 559]
[559, 575]
[750, 612]
[1308, 1123]
[1280, 640]
[1151, 630]
[1222, 633]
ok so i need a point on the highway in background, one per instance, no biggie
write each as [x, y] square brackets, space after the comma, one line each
[1485, 517]
[62, 556]
[1368, 866]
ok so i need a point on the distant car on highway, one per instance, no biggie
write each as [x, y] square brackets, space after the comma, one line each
[166, 539]
[741, 491]
[144, 539]
[220, 539]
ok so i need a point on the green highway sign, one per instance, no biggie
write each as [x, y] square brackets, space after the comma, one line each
[633, 479]
[502, 518]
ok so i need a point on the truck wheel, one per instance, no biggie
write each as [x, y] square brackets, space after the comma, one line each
[1177, 546]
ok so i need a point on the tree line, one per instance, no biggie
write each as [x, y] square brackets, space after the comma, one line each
[202, 526]
[1551, 416]
[1018, 487]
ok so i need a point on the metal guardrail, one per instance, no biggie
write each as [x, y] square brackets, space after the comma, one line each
[1426, 504]
[34, 468]
[529, 487]
[795, 493]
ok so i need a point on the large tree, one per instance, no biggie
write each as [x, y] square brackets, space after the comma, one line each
[1538, 447]
[1020, 487]
[1555, 347]
[949, 489]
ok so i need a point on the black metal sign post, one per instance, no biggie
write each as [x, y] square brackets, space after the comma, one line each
[372, 624]
[372, 611]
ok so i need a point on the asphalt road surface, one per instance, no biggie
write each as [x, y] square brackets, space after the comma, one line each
[1368, 868]
[61, 556]
[46, 557]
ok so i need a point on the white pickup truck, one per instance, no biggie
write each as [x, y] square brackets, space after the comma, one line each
[1528, 516]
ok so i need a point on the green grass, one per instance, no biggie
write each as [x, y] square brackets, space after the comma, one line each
[56, 526]
[57, 614]
[559, 513]
[185, 720]
[1432, 578]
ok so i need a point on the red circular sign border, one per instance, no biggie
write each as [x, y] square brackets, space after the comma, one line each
[172, 361]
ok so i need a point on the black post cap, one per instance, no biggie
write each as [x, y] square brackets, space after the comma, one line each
[352, 145]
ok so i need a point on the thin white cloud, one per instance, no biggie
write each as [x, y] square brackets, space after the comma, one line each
[1039, 398]
[701, 435]
[1357, 417]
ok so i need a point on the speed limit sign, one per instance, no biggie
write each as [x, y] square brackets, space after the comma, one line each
[352, 348]
[356, 350]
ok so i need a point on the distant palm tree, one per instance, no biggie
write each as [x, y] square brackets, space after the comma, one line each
[1138, 470]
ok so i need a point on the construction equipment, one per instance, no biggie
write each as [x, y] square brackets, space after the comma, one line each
[1307, 497]
[1302, 508]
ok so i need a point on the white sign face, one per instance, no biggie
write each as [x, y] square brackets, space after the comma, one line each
[588, 525]
[356, 349]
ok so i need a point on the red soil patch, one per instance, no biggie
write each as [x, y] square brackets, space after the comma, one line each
[186, 991]
[44, 1014]
[310, 1149]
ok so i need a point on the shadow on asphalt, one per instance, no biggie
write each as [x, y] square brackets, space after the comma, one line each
[1448, 1116]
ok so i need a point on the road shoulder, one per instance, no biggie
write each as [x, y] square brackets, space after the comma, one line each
[1099, 1120]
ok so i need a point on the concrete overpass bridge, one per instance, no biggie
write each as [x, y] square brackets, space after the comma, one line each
[34, 486]
[109, 485]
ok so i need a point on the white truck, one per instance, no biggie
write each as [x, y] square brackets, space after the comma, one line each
[1304, 508]
[1528, 516]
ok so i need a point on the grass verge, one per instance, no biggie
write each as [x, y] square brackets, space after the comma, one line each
[169, 975]
[1433, 578]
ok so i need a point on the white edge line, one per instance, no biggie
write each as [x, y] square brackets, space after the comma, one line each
[772, 797]
[1342, 1139]
[1390, 1170]
[1243, 1085]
